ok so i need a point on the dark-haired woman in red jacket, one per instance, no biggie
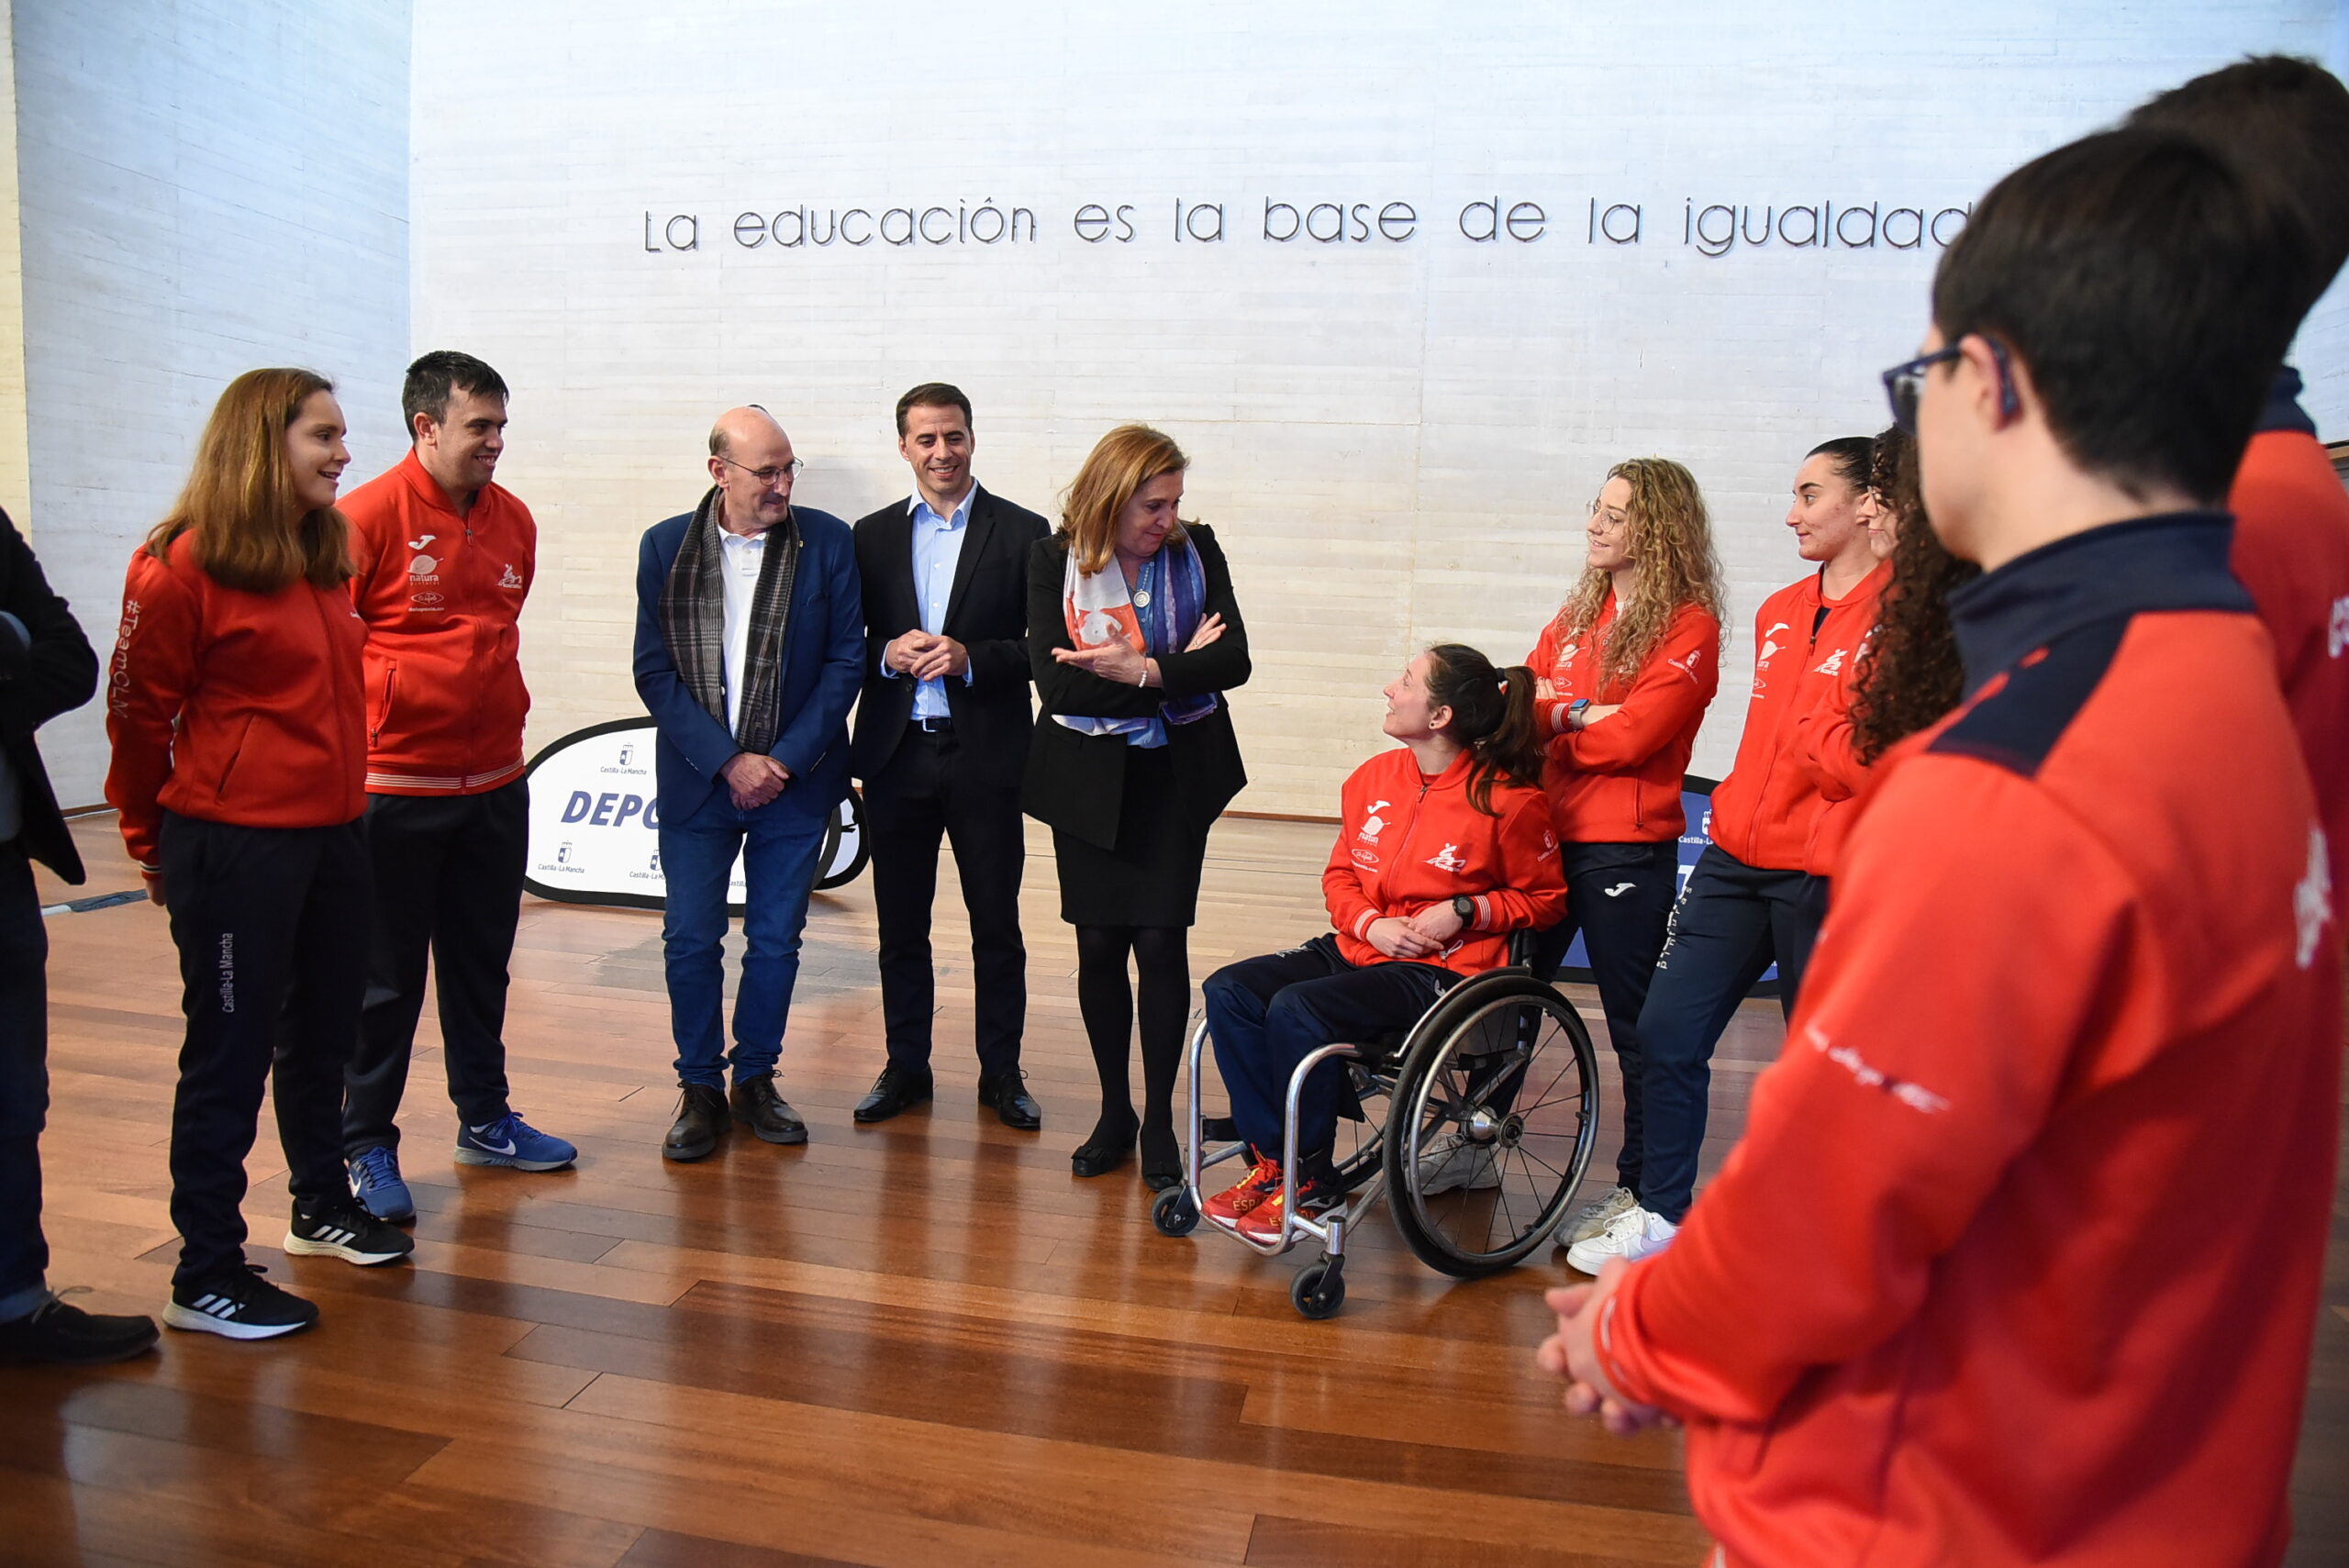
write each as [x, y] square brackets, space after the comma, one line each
[239, 723]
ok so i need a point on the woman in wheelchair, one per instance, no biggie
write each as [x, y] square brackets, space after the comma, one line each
[1443, 849]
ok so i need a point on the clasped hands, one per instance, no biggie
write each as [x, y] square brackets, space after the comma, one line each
[1572, 1354]
[1118, 661]
[926, 656]
[1421, 935]
[753, 779]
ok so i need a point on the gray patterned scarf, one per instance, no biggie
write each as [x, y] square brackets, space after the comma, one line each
[692, 621]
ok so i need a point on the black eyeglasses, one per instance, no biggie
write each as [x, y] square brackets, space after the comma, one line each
[1904, 383]
[769, 477]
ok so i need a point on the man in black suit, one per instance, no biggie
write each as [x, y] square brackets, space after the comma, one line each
[942, 739]
[46, 669]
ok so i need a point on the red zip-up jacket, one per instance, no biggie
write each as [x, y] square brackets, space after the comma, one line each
[1770, 812]
[1826, 744]
[1618, 781]
[441, 596]
[2291, 550]
[230, 706]
[1406, 842]
[2056, 991]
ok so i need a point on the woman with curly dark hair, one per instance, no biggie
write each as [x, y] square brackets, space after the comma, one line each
[1907, 674]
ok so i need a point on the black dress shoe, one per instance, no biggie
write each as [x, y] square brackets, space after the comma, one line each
[58, 1333]
[1162, 1158]
[1014, 1105]
[701, 1122]
[898, 1088]
[1111, 1143]
[766, 1113]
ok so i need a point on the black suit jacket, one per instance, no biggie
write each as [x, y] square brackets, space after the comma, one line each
[1076, 782]
[986, 612]
[56, 674]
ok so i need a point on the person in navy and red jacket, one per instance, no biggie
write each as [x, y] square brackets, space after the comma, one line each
[1627, 668]
[1755, 897]
[1933, 1309]
[446, 555]
[1443, 849]
[239, 769]
[2286, 121]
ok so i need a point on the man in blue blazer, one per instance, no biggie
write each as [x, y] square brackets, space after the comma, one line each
[750, 648]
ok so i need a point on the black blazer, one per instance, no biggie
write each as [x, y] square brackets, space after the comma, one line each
[1076, 782]
[986, 612]
[56, 674]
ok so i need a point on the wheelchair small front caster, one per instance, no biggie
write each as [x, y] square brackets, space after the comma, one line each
[1319, 1290]
[1175, 1212]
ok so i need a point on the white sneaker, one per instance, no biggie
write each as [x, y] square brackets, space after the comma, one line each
[1595, 1217]
[1453, 1162]
[1631, 1236]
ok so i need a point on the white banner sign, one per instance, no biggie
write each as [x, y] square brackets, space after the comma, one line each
[595, 818]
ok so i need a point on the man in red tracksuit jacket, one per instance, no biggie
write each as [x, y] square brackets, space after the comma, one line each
[445, 559]
[2288, 119]
[1756, 896]
[1932, 1309]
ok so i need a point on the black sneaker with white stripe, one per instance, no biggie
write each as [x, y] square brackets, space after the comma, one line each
[240, 1304]
[341, 1228]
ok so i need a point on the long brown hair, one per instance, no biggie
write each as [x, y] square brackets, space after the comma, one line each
[1672, 542]
[1120, 464]
[1909, 675]
[250, 528]
[1492, 715]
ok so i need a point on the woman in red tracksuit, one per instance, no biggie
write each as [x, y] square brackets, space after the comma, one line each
[1628, 665]
[240, 768]
[1443, 849]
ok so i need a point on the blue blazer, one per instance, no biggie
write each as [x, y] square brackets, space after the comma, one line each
[823, 665]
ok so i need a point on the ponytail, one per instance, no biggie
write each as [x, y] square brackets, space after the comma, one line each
[1492, 715]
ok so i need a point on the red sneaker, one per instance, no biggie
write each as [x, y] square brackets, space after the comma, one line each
[1262, 1222]
[1262, 1180]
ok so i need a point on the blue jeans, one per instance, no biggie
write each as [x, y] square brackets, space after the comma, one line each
[1731, 922]
[778, 843]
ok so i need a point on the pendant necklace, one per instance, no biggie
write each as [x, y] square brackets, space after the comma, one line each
[1141, 586]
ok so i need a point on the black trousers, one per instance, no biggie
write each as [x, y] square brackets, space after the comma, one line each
[264, 919]
[1619, 898]
[927, 792]
[1733, 920]
[24, 1080]
[448, 883]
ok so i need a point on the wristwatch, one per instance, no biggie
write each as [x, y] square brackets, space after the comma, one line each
[1574, 710]
[1466, 907]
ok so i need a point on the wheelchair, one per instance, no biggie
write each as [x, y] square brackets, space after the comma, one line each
[1500, 1071]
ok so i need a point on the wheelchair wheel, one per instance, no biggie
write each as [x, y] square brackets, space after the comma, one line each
[1319, 1290]
[1495, 1114]
[1175, 1212]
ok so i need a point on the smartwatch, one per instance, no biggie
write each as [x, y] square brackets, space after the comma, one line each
[1466, 907]
[1575, 711]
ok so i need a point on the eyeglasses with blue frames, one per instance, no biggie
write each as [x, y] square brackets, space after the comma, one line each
[1904, 383]
[769, 478]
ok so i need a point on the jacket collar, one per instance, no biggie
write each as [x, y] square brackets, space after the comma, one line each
[2174, 560]
[420, 479]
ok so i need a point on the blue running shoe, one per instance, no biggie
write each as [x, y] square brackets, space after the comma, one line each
[509, 1141]
[375, 1183]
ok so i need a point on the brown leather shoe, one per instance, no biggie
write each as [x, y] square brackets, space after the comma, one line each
[701, 1122]
[766, 1113]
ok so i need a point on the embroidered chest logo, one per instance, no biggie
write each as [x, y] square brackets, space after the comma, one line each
[2312, 900]
[421, 543]
[2337, 634]
[1449, 858]
[422, 568]
[1832, 665]
[512, 579]
[1769, 647]
[1567, 656]
[1373, 824]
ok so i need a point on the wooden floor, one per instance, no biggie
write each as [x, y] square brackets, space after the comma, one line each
[918, 1344]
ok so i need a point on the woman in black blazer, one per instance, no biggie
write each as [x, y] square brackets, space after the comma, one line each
[1133, 635]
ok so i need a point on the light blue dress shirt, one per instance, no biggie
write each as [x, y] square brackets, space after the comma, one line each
[938, 550]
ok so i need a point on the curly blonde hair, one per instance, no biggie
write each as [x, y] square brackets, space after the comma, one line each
[1672, 543]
